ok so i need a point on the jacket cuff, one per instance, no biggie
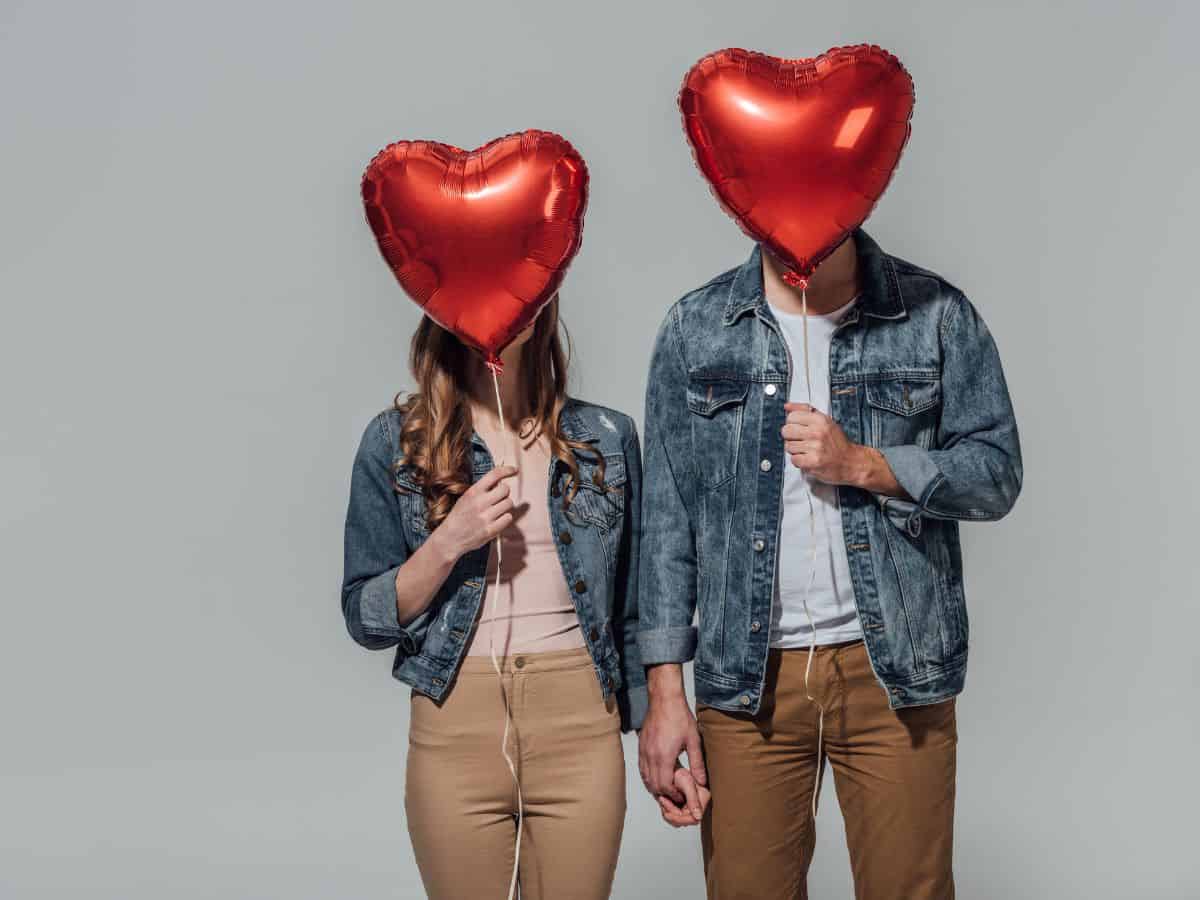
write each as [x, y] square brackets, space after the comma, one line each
[632, 703]
[919, 475]
[377, 604]
[667, 645]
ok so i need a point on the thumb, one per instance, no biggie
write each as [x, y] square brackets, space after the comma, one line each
[695, 756]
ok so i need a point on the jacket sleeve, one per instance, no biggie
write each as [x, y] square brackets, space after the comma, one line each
[668, 574]
[632, 698]
[974, 471]
[375, 548]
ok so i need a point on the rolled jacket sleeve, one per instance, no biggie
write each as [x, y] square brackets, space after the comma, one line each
[375, 548]
[668, 554]
[974, 470]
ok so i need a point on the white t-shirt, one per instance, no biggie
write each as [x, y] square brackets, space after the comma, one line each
[831, 595]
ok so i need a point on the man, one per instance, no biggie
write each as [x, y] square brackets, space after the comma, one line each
[791, 509]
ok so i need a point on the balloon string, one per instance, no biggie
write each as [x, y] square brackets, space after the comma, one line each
[495, 369]
[812, 562]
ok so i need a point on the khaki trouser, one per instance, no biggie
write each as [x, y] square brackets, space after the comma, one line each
[893, 771]
[460, 797]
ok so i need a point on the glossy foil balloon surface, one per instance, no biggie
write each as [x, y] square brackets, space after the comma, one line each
[480, 239]
[798, 151]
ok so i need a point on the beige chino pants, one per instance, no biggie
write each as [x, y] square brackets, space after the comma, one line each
[893, 770]
[460, 797]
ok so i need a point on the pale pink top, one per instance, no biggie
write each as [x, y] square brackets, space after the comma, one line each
[532, 607]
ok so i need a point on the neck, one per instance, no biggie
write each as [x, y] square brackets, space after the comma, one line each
[483, 390]
[830, 287]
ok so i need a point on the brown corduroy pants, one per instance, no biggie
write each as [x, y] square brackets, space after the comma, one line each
[894, 772]
[460, 797]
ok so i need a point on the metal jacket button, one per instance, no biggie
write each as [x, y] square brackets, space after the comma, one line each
[745, 701]
[760, 545]
[755, 627]
[765, 465]
[580, 586]
[565, 536]
[770, 390]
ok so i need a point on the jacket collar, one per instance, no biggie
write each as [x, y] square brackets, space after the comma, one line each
[880, 298]
[573, 424]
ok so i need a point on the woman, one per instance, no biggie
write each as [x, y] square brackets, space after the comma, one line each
[427, 500]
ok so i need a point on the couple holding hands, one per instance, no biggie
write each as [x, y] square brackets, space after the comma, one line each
[818, 421]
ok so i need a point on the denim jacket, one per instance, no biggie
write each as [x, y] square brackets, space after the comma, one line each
[913, 372]
[596, 538]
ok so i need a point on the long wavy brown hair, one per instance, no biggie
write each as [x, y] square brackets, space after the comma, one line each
[435, 439]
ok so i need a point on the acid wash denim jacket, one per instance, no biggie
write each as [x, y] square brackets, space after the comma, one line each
[913, 372]
[596, 538]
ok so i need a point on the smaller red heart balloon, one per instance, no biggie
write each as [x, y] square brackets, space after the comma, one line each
[479, 240]
[798, 151]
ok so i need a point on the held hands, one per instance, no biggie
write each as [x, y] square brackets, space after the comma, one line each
[669, 729]
[816, 444]
[696, 800]
[480, 514]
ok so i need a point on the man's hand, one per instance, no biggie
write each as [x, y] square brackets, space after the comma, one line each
[668, 730]
[816, 444]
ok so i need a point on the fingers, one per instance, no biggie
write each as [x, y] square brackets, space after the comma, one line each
[695, 757]
[799, 432]
[809, 419]
[687, 784]
[494, 477]
[495, 494]
[500, 507]
[498, 525]
[675, 816]
[662, 780]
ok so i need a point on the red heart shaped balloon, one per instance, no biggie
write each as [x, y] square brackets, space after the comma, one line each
[798, 151]
[480, 240]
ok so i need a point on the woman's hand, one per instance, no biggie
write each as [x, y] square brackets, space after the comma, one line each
[696, 800]
[478, 516]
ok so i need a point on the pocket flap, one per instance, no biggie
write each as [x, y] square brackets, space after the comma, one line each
[707, 396]
[614, 472]
[904, 396]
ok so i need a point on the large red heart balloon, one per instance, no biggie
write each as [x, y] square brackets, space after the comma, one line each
[480, 240]
[798, 150]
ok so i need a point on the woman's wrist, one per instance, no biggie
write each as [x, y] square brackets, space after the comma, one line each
[443, 548]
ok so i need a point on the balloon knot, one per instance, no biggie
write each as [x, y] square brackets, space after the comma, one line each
[792, 279]
[496, 365]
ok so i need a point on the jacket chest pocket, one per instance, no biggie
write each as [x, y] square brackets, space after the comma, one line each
[717, 407]
[600, 502]
[904, 410]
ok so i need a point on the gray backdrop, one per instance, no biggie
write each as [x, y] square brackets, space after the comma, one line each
[197, 325]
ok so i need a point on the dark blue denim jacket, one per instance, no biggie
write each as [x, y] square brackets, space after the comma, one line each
[913, 372]
[597, 541]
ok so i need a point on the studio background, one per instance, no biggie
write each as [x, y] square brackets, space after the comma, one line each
[197, 326]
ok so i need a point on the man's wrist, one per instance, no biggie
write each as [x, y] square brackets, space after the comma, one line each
[863, 463]
[870, 470]
[664, 681]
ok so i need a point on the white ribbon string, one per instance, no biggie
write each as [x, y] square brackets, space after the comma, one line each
[812, 565]
[508, 720]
